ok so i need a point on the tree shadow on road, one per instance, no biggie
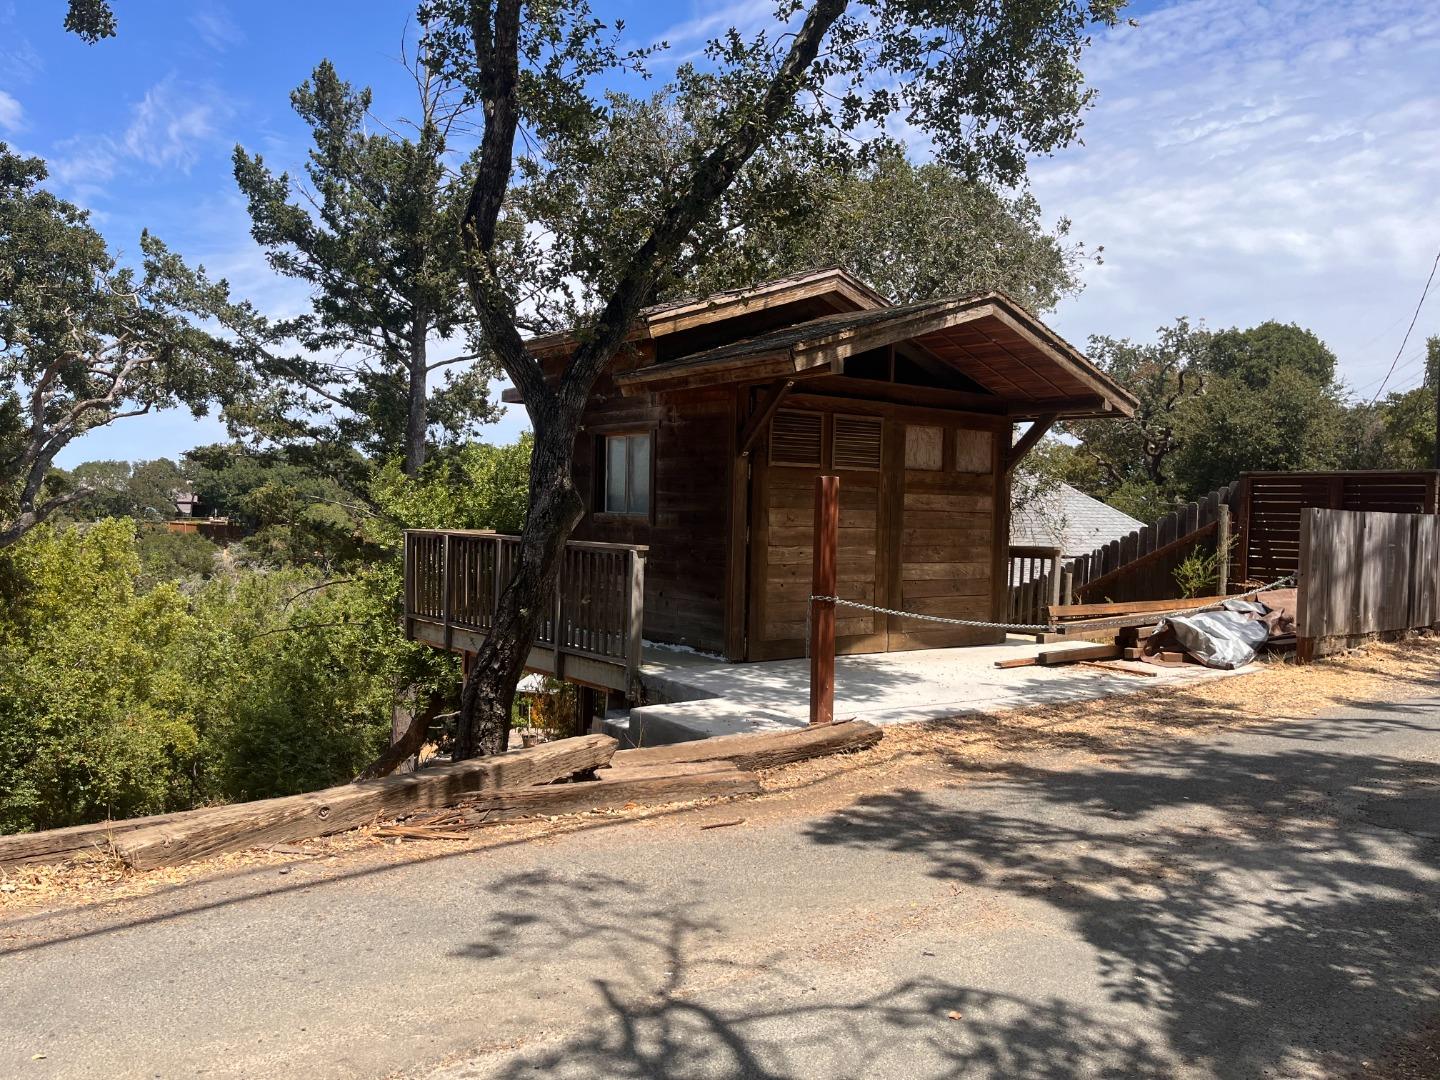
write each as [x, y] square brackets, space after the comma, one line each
[674, 1002]
[1271, 913]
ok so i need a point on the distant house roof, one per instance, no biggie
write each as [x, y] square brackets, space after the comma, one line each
[1070, 520]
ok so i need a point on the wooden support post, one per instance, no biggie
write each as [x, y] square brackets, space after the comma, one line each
[822, 612]
[1222, 549]
[1067, 586]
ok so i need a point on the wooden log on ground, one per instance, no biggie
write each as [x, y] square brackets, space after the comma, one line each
[1080, 652]
[761, 751]
[614, 788]
[57, 845]
[320, 813]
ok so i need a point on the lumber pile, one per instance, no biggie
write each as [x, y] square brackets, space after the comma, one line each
[562, 777]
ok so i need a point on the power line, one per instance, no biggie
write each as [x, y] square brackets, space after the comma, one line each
[1413, 319]
[1409, 362]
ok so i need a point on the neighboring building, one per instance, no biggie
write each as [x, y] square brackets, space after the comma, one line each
[1066, 518]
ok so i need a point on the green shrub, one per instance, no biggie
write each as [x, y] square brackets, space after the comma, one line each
[121, 700]
[169, 556]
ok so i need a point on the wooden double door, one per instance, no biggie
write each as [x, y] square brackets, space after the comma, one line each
[918, 530]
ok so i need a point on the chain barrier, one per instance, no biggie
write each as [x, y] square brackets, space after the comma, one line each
[1029, 628]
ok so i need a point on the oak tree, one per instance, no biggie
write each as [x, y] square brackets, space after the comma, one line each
[989, 82]
[86, 341]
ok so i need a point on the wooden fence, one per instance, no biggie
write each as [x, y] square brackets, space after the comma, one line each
[592, 634]
[1142, 566]
[1035, 580]
[1364, 575]
[1270, 505]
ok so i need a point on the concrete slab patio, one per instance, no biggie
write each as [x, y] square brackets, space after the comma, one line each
[691, 696]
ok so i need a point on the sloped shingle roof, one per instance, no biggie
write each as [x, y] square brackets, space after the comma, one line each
[1070, 520]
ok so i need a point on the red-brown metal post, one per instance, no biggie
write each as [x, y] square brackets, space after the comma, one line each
[822, 612]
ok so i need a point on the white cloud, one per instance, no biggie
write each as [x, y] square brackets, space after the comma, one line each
[215, 27]
[12, 117]
[1248, 162]
[169, 128]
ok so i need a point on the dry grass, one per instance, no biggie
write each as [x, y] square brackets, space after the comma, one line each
[909, 754]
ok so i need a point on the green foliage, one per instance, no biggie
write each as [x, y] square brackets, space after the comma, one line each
[95, 713]
[375, 234]
[1198, 574]
[476, 487]
[172, 556]
[86, 342]
[90, 20]
[146, 490]
[1213, 405]
[1292, 422]
[120, 699]
[914, 232]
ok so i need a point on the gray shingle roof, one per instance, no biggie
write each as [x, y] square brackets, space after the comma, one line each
[1070, 520]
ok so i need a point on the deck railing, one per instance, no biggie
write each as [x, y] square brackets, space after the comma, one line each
[592, 632]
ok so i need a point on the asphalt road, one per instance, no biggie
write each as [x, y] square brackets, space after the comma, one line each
[1245, 906]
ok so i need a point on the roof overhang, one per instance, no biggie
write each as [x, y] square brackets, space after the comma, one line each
[840, 287]
[989, 338]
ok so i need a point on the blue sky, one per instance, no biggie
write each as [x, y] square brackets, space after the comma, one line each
[1245, 160]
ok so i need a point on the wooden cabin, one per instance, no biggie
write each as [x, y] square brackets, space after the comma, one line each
[703, 441]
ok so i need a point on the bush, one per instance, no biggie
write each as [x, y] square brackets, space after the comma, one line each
[169, 556]
[119, 700]
[94, 716]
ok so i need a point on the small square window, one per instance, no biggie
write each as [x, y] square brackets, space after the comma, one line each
[627, 474]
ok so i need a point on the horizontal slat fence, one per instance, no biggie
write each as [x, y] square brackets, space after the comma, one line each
[1141, 566]
[1271, 504]
[1363, 575]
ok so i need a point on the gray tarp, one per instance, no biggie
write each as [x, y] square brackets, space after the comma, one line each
[1228, 638]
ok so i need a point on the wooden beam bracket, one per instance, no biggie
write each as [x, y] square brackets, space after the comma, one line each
[1033, 434]
[768, 405]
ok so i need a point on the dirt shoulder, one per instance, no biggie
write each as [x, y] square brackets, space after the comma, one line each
[919, 756]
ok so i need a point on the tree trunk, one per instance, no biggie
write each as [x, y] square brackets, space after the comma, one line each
[416, 418]
[555, 510]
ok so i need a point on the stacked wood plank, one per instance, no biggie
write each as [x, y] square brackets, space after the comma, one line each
[562, 777]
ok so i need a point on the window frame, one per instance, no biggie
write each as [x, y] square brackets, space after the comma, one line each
[600, 494]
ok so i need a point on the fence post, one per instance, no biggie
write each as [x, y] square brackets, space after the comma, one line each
[1222, 548]
[822, 612]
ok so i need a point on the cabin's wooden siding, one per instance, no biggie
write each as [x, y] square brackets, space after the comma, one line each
[947, 536]
[921, 539]
[693, 444]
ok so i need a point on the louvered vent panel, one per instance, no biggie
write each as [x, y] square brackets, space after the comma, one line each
[857, 442]
[795, 438]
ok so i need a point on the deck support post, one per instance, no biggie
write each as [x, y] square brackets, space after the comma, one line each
[822, 612]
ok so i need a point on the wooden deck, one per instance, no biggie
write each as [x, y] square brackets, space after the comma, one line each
[454, 579]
